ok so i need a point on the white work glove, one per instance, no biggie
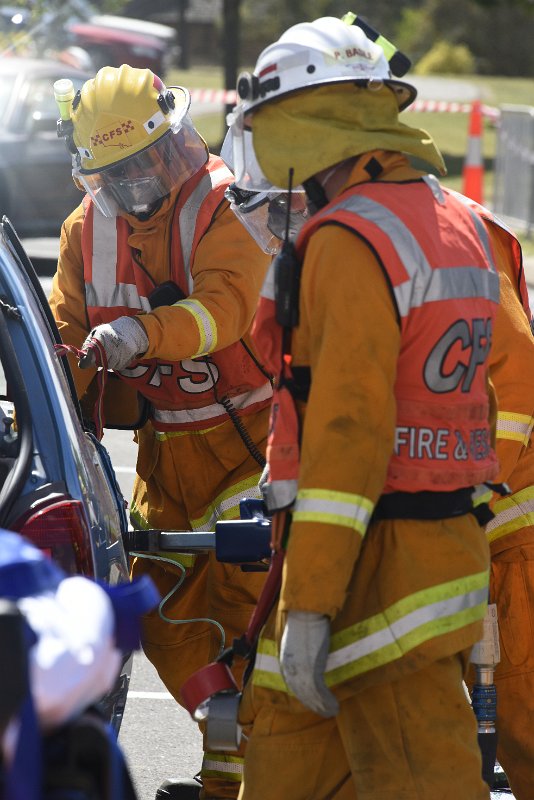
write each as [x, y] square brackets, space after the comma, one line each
[303, 654]
[123, 341]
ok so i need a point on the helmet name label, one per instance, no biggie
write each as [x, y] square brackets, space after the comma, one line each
[353, 52]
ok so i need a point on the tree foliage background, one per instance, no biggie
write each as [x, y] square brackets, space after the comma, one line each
[498, 33]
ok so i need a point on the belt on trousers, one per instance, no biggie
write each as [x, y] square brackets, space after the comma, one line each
[431, 505]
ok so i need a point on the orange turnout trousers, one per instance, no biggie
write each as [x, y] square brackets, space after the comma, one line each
[210, 592]
[387, 736]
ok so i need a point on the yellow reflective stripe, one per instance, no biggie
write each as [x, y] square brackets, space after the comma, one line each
[511, 514]
[141, 523]
[405, 625]
[219, 765]
[206, 325]
[226, 504]
[481, 494]
[517, 427]
[390, 635]
[333, 508]
[163, 435]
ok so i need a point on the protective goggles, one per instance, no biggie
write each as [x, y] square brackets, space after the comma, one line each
[268, 216]
[138, 183]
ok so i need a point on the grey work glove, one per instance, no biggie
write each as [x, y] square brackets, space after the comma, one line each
[264, 479]
[123, 341]
[303, 654]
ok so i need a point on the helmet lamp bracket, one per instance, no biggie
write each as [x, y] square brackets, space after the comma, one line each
[166, 101]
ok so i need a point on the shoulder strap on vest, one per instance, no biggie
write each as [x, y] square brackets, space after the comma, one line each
[194, 214]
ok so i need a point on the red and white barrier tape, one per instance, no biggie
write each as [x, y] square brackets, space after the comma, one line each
[453, 108]
[225, 97]
[213, 96]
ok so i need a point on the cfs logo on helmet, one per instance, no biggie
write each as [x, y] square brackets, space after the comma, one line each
[116, 136]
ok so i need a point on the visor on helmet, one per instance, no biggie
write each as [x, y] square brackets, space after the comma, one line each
[138, 183]
[266, 215]
[244, 164]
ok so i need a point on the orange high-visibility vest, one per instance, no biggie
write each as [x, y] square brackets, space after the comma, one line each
[182, 394]
[446, 295]
[516, 260]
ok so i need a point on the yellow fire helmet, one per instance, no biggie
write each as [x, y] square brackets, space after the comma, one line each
[133, 139]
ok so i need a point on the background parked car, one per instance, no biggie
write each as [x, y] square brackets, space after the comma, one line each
[112, 47]
[108, 40]
[57, 485]
[36, 187]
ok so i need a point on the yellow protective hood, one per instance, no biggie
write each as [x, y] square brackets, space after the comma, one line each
[315, 128]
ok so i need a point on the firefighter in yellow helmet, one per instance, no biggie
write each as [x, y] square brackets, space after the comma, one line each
[380, 502]
[157, 273]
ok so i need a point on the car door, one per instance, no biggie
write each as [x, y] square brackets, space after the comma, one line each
[57, 485]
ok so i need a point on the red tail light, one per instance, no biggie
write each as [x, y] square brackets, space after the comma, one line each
[60, 529]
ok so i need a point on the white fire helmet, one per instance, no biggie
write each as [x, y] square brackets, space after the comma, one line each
[316, 53]
[310, 54]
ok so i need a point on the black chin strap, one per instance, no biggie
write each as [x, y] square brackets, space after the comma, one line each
[316, 194]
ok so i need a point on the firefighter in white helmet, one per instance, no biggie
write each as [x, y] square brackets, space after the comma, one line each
[156, 273]
[379, 327]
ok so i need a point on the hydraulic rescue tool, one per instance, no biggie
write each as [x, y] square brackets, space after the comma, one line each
[212, 694]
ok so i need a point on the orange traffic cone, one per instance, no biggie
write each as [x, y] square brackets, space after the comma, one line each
[473, 170]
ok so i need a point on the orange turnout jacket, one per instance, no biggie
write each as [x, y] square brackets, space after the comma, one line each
[401, 593]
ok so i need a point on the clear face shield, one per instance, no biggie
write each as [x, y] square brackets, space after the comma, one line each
[247, 171]
[268, 216]
[137, 184]
[268, 212]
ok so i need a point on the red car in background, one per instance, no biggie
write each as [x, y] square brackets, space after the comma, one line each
[111, 47]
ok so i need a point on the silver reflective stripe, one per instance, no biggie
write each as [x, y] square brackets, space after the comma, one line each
[333, 508]
[407, 629]
[189, 214]
[425, 284]
[267, 290]
[207, 327]
[122, 294]
[517, 427]
[228, 508]
[404, 626]
[104, 291]
[235, 768]
[483, 236]
[515, 510]
[187, 416]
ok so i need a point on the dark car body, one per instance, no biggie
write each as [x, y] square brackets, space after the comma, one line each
[111, 47]
[57, 485]
[36, 188]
